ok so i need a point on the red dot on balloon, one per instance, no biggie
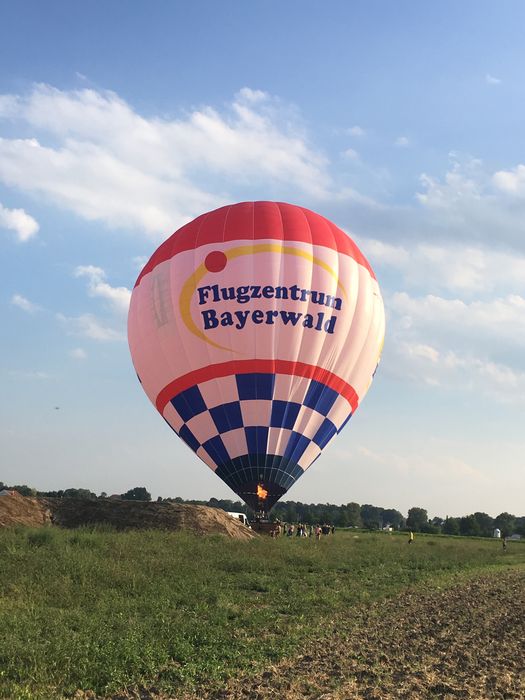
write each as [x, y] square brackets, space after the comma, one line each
[215, 261]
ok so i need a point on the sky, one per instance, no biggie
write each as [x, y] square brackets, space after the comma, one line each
[400, 122]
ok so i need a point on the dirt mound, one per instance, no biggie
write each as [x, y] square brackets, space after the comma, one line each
[122, 515]
[125, 515]
[20, 510]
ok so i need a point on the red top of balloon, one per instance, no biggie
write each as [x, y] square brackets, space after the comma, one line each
[255, 221]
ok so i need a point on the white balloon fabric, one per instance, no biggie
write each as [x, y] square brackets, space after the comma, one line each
[256, 330]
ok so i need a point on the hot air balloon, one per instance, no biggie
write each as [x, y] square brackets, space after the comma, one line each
[256, 330]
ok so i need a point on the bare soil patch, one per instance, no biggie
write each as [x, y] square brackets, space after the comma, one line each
[122, 515]
[467, 641]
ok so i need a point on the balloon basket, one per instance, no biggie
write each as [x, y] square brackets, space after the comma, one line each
[263, 526]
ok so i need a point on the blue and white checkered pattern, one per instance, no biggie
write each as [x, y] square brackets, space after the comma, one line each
[258, 426]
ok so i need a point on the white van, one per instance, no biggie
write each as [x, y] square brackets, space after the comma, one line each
[240, 516]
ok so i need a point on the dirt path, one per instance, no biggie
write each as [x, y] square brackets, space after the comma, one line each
[467, 641]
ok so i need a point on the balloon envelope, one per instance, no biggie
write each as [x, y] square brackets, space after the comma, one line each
[255, 330]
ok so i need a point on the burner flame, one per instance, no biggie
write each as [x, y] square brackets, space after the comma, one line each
[262, 493]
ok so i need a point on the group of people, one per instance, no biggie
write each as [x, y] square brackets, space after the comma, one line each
[303, 530]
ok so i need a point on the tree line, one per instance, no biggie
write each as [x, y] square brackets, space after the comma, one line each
[139, 493]
[349, 515]
[372, 517]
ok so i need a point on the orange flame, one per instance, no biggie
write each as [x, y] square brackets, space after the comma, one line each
[261, 492]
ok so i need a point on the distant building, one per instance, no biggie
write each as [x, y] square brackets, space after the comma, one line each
[6, 492]
[497, 532]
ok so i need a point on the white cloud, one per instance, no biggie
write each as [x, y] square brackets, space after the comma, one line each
[468, 269]
[491, 80]
[469, 203]
[501, 318]
[356, 131]
[8, 105]
[457, 345]
[351, 154]
[24, 304]
[425, 352]
[386, 254]
[402, 141]
[91, 153]
[253, 96]
[456, 188]
[436, 465]
[453, 281]
[139, 261]
[511, 181]
[88, 326]
[453, 371]
[467, 332]
[118, 297]
[78, 354]
[20, 222]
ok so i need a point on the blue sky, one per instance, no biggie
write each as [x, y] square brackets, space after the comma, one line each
[401, 122]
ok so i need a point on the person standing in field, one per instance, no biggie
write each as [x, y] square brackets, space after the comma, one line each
[410, 537]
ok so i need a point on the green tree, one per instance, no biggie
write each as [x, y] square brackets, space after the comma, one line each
[431, 527]
[139, 493]
[417, 519]
[349, 515]
[520, 525]
[506, 523]
[353, 513]
[394, 518]
[451, 526]
[485, 524]
[469, 526]
[372, 516]
[437, 522]
[79, 493]
[24, 490]
[290, 514]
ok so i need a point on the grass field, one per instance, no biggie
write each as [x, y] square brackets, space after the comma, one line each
[100, 610]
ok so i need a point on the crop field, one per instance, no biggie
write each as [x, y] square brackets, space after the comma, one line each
[97, 613]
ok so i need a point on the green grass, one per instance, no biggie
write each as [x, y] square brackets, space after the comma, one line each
[96, 609]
